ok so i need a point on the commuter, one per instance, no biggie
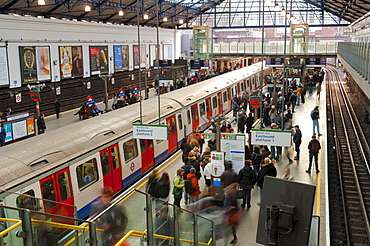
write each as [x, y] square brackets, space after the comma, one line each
[315, 116]
[178, 187]
[194, 162]
[272, 114]
[314, 148]
[186, 148]
[298, 95]
[292, 100]
[2, 116]
[57, 107]
[288, 127]
[113, 221]
[151, 187]
[128, 92]
[186, 168]
[287, 175]
[163, 186]
[2, 135]
[241, 122]
[297, 140]
[311, 84]
[232, 212]
[41, 124]
[268, 169]
[96, 109]
[303, 91]
[89, 176]
[212, 144]
[235, 107]
[318, 90]
[256, 159]
[266, 112]
[288, 115]
[280, 102]
[115, 101]
[195, 138]
[192, 186]
[247, 179]
[8, 112]
[229, 176]
[249, 122]
[265, 152]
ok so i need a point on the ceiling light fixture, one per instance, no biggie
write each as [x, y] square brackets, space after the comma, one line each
[146, 16]
[181, 21]
[121, 13]
[41, 2]
[165, 19]
[87, 8]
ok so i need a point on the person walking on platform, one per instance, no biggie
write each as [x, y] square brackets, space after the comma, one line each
[314, 148]
[288, 127]
[247, 179]
[192, 186]
[57, 107]
[229, 176]
[2, 135]
[256, 159]
[268, 169]
[186, 168]
[318, 90]
[41, 126]
[231, 208]
[178, 187]
[297, 140]
[315, 116]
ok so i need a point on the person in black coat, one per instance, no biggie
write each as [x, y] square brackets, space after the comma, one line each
[249, 122]
[186, 148]
[41, 126]
[247, 179]
[2, 135]
[57, 107]
[267, 169]
[297, 139]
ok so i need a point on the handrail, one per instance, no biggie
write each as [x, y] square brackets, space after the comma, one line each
[10, 228]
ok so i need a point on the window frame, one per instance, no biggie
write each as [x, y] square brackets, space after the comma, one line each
[94, 163]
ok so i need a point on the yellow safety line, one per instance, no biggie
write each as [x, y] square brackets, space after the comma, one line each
[144, 182]
[10, 228]
[71, 240]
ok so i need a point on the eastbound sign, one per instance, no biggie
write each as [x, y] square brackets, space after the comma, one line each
[271, 137]
[157, 132]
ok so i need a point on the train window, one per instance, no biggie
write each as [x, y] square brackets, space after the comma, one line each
[194, 112]
[248, 83]
[87, 173]
[228, 94]
[27, 200]
[202, 109]
[214, 102]
[64, 184]
[180, 121]
[130, 150]
[225, 96]
[219, 99]
[174, 127]
[238, 89]
[105, 162]
[48, 192]
[142, 146]
[208, 103]
[232, 91]
[188, 116]
[115, 157]
[150, 144]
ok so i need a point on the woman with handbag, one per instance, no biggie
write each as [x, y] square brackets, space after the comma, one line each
[178, 187]
[232, 212]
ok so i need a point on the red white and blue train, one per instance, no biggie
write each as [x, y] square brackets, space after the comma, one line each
[70, 165]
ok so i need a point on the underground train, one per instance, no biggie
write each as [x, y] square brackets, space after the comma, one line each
[70, 165]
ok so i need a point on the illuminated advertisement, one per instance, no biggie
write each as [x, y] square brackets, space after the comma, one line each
[71, 61]
[28, 64]
[117, 57]
[98, 59]
[43, 63]
[8, 131]
[30, 126]
[142, 55]
[4, 74]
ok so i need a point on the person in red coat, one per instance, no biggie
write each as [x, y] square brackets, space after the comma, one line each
[192, 178]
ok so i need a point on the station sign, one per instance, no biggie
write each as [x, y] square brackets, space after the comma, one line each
[255, 101]
[271, 137]
[155, 132]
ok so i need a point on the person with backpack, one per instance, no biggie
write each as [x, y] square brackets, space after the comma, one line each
[314, 147]
[192, 186]
[256, 159]
[315, 116]
[186, 168]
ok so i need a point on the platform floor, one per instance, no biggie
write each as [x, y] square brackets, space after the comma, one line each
[248, 228]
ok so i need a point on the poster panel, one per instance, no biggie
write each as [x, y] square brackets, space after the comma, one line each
[77, 62]
[142, 55]
[43, 63]
[65, 56]
[30, 126]
[4, 72]
[8, 131]
[125, 57]
[19, 129]
[118, 57]
[28, 64]
[98, 59]
[136, 55]
[167, 51]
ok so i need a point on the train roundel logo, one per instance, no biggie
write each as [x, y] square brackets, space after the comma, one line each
[132, 166]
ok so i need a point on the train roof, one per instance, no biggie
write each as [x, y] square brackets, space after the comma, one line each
[35, 155]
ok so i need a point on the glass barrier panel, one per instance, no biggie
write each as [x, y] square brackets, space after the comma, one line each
[315, 231]
[205, 230]
[163, 221]
[186, 228]
[10, 238]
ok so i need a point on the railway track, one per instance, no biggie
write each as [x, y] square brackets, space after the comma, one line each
[348, 168]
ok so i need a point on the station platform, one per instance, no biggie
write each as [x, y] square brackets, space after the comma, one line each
[247, 229]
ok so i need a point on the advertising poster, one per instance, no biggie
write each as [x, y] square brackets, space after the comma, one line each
[19, 129]
[28, 64]
[43, 63]
[30, 126]
[77, 62]
[4, 73]
[65, 54]
[98, 59]
[142, 56]
[118, 57]
[125, 57]
[8, 131]
[136, 55]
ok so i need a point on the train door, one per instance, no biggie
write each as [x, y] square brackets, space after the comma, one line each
[229, 98]
[238, 89]
[208, 109]
[181, 128]
[195, 117]
[172, 132]
[57, 188]
[111, 166]
[219, 100]
[147, 154]
[214, 106]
